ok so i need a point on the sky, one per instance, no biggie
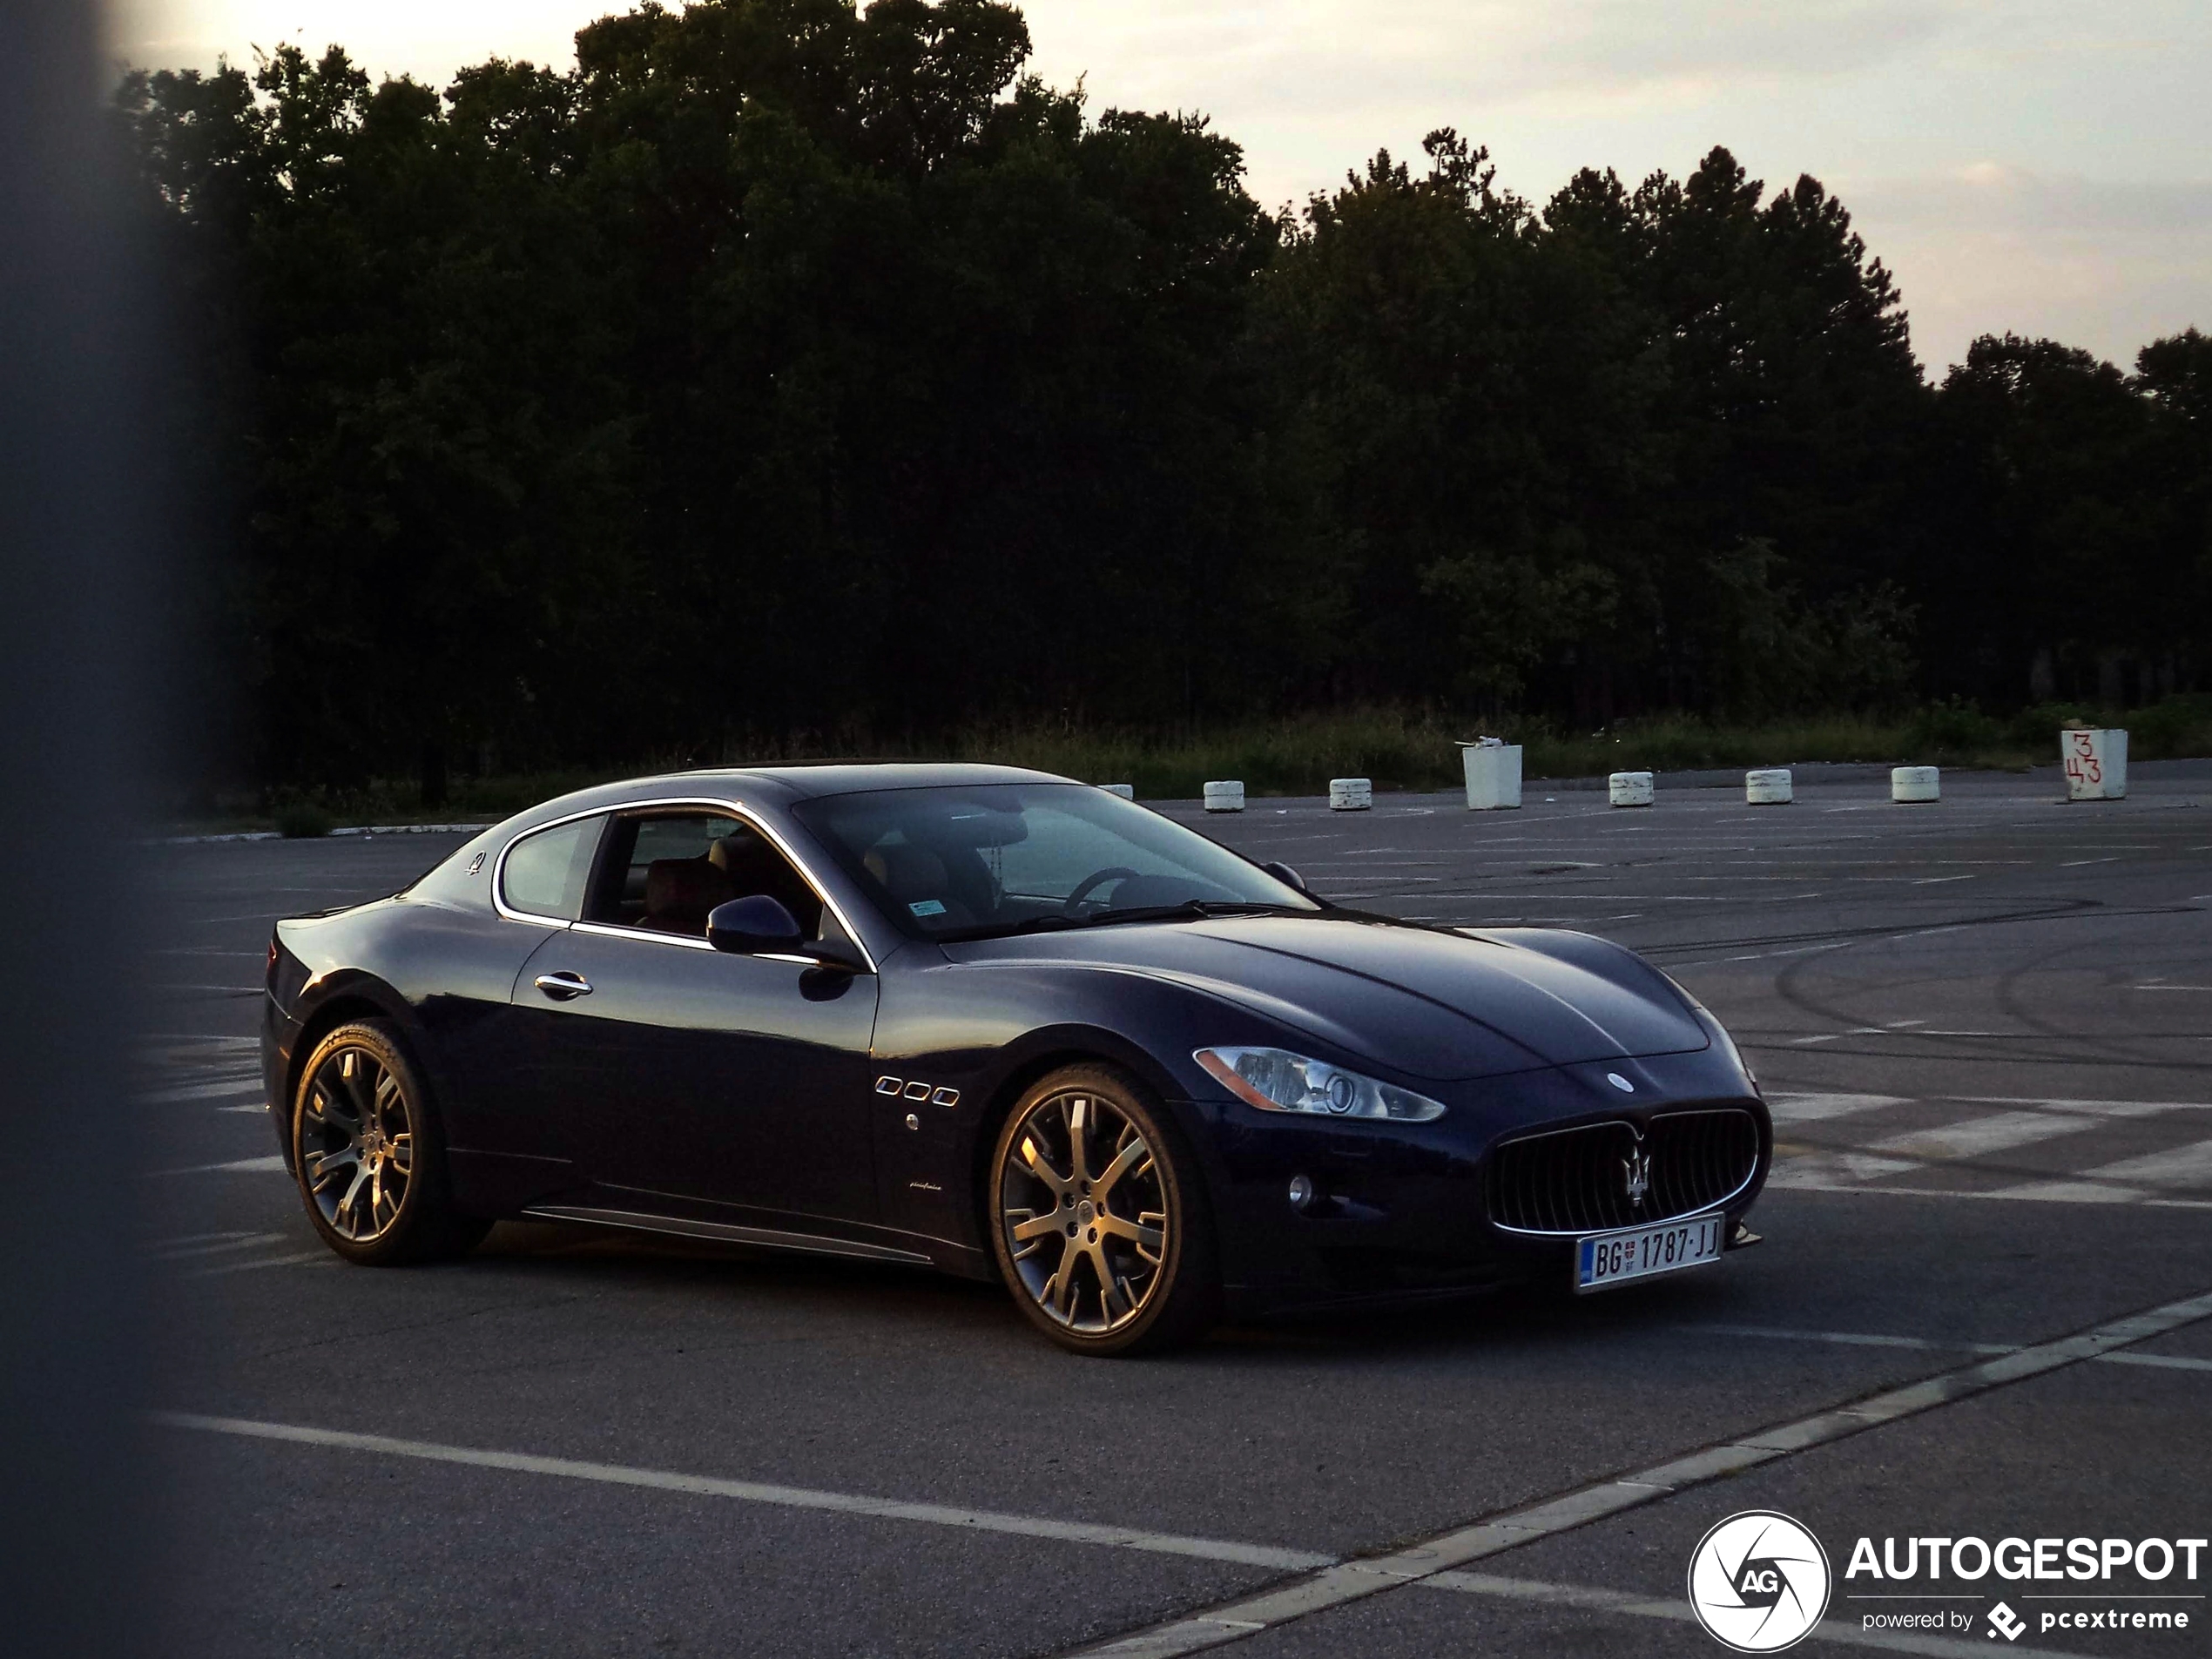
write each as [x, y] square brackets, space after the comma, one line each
[2031, 166]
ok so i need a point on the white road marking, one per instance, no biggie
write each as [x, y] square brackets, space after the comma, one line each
[271, 1164]
[1355, 1581]
[303, 1258]
[1762, 955]
[2076, 864]
[1676, 1610]
[2170, 1361]
[1834, 1171]
[1552, 895]
[198, 1092]
[2072, 1193]
[1809, 1109]
[220, 1247]
[1946, 1031]
[1074, 1532]
[2101, 1108]
[2039, 1192]
[2179, 1166]
[1895, 1029]
[1865, 1339]
[1976, 1137]
[1846, 1338]
[1891, 1031]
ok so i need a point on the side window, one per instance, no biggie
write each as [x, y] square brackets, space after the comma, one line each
[665, 872]
[545, 873]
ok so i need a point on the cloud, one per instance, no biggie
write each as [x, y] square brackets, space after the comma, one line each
[1340, 55]
[2023, 163]
[1992, 195]
[1988, 248]
[1630, 43]
[428, 39]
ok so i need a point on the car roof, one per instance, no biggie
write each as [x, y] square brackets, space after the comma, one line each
[777, 786]
[805, 782]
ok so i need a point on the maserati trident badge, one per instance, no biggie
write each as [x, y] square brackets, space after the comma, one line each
[1636, 1170]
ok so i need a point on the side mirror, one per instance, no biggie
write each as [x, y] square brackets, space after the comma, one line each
[756, 925]
[1283, 871]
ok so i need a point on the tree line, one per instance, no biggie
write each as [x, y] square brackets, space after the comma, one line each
[786, 371]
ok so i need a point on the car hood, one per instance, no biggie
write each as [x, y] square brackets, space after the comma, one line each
[1422, 1001]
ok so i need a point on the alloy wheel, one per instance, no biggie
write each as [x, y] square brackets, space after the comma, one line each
[357, 1146]
[1083, 1201]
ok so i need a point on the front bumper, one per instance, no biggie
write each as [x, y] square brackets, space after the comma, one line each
[1401, 1212]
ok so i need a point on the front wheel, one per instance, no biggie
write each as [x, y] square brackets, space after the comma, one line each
[1099, 1219]
[368, 1155]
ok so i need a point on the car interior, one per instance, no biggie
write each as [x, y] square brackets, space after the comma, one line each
[666, 872]
[959, 863]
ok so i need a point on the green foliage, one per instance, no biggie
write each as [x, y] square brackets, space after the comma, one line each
[1397, 748]
[787, 368]
[298, 818]
[2175, 727]
[1956, 726]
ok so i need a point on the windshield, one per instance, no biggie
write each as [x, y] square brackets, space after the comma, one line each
[966, 861]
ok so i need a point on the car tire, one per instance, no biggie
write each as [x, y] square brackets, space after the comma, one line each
[368, 1155]
[1136, 1270]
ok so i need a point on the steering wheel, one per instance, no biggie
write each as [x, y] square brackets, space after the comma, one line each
[1097, 877]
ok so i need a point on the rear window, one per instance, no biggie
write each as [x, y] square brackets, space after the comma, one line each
[545, 873]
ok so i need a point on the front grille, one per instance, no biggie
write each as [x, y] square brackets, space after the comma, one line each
[1576, 1180]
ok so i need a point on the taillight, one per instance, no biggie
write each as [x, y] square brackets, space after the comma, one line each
[270, 972]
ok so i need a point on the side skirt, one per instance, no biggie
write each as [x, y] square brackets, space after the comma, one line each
[762, 1237]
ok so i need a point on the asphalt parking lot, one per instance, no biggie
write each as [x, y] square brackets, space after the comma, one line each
[1986, 1029]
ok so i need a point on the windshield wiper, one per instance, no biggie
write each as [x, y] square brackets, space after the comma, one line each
[1189, 910]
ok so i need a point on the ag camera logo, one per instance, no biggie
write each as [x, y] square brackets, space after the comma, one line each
[1758, 1581]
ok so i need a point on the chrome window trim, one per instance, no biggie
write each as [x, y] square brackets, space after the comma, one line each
[652, 935]
[507, 912]
[719, 804]
[1702, 1210]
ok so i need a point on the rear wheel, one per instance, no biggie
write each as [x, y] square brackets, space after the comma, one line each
[1099, 1220]
[368, 1154]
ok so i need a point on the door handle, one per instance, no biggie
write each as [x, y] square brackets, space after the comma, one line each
[564, 987]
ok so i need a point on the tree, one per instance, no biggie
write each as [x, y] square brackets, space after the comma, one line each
[2042, 575]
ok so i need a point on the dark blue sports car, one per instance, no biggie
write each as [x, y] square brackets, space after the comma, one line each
[1001, 1024]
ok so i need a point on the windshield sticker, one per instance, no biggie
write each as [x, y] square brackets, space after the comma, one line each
[928, 907]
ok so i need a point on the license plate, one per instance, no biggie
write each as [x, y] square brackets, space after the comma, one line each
[1607, 1260]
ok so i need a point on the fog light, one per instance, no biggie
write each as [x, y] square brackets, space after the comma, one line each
[1301, 1191]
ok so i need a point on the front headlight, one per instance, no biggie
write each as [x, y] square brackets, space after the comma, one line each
[1277, 1081]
